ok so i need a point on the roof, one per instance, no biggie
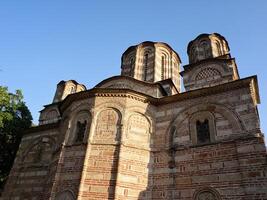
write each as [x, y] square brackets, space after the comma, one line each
[151, 43]
[204, 35]
[73, 81]
[250, 82]
[240, 83]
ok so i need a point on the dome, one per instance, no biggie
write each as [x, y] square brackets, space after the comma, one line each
[207, 46]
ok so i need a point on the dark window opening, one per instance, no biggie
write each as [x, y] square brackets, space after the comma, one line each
[146, 66]
[203, 132]
[162, 67]
[80, 131]
[132, 67]
[72, 90]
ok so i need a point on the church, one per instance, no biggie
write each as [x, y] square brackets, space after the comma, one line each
[138, 136]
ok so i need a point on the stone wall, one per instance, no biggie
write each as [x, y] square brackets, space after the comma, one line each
[137, 147]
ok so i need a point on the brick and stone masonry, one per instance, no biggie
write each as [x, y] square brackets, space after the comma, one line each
[137, 136]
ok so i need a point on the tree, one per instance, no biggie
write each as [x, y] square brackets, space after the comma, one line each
[15, 117]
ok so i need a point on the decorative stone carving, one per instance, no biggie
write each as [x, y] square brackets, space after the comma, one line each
[39, 152]
[207, 73]
[206, 195]
[138, 129]
[107, 126]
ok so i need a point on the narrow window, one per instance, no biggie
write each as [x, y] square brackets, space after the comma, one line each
[80, 131]
[72, 90]
[146, 66]
[132, 67]
[162, 67]
[203, 132]
[218, 49]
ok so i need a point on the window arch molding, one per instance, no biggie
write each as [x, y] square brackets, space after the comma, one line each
[206, 192]
[82, 117]
[226, 111]
[146, 53]
[50, 141]
[164, 63]
[106, 125]
[148, 114]
[138, 130]
[130, 64]
[201, 117]
[65, 195]
[173, 132]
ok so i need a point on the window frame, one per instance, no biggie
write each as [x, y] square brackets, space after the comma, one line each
[201, 116]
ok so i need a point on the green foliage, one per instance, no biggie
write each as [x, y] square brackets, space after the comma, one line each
[15, 117]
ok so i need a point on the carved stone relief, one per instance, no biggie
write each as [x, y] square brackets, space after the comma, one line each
[107, 126]
[206, 195]
[207, 73]
[38, 153]
[138, 129]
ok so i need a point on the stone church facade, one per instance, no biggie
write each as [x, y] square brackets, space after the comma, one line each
[137, 136]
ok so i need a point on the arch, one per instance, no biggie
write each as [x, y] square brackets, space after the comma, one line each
[132, 63]
[219, 70]
[143, 111]
[107, 126]
[205, 45]
[163, 66]
[206, 193]
[79, 117]
[173, 131]
[218, 48]
[42, 143]
[145, 63]
[187, 113]
[65, 195]
[202, 116]
[193, 54]
[128, 63]
[138, 130]
[165, 63]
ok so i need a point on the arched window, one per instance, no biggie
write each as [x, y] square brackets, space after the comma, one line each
[80, 123]
[72, 90]
[145, 66]
[163, 64]
[206, 49]
[207, 193]
[80, 130]
[132, 67]
[218, 46]
[203, 132]
[202, 128]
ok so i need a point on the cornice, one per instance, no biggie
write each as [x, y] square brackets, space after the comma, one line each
[222, 59]
[128, 93]
[152, 44]
[249, 82]
[41, 128]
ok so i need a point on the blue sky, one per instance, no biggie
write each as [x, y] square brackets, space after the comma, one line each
[43, 42]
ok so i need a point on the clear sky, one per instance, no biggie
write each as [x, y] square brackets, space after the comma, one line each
[43, 42]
